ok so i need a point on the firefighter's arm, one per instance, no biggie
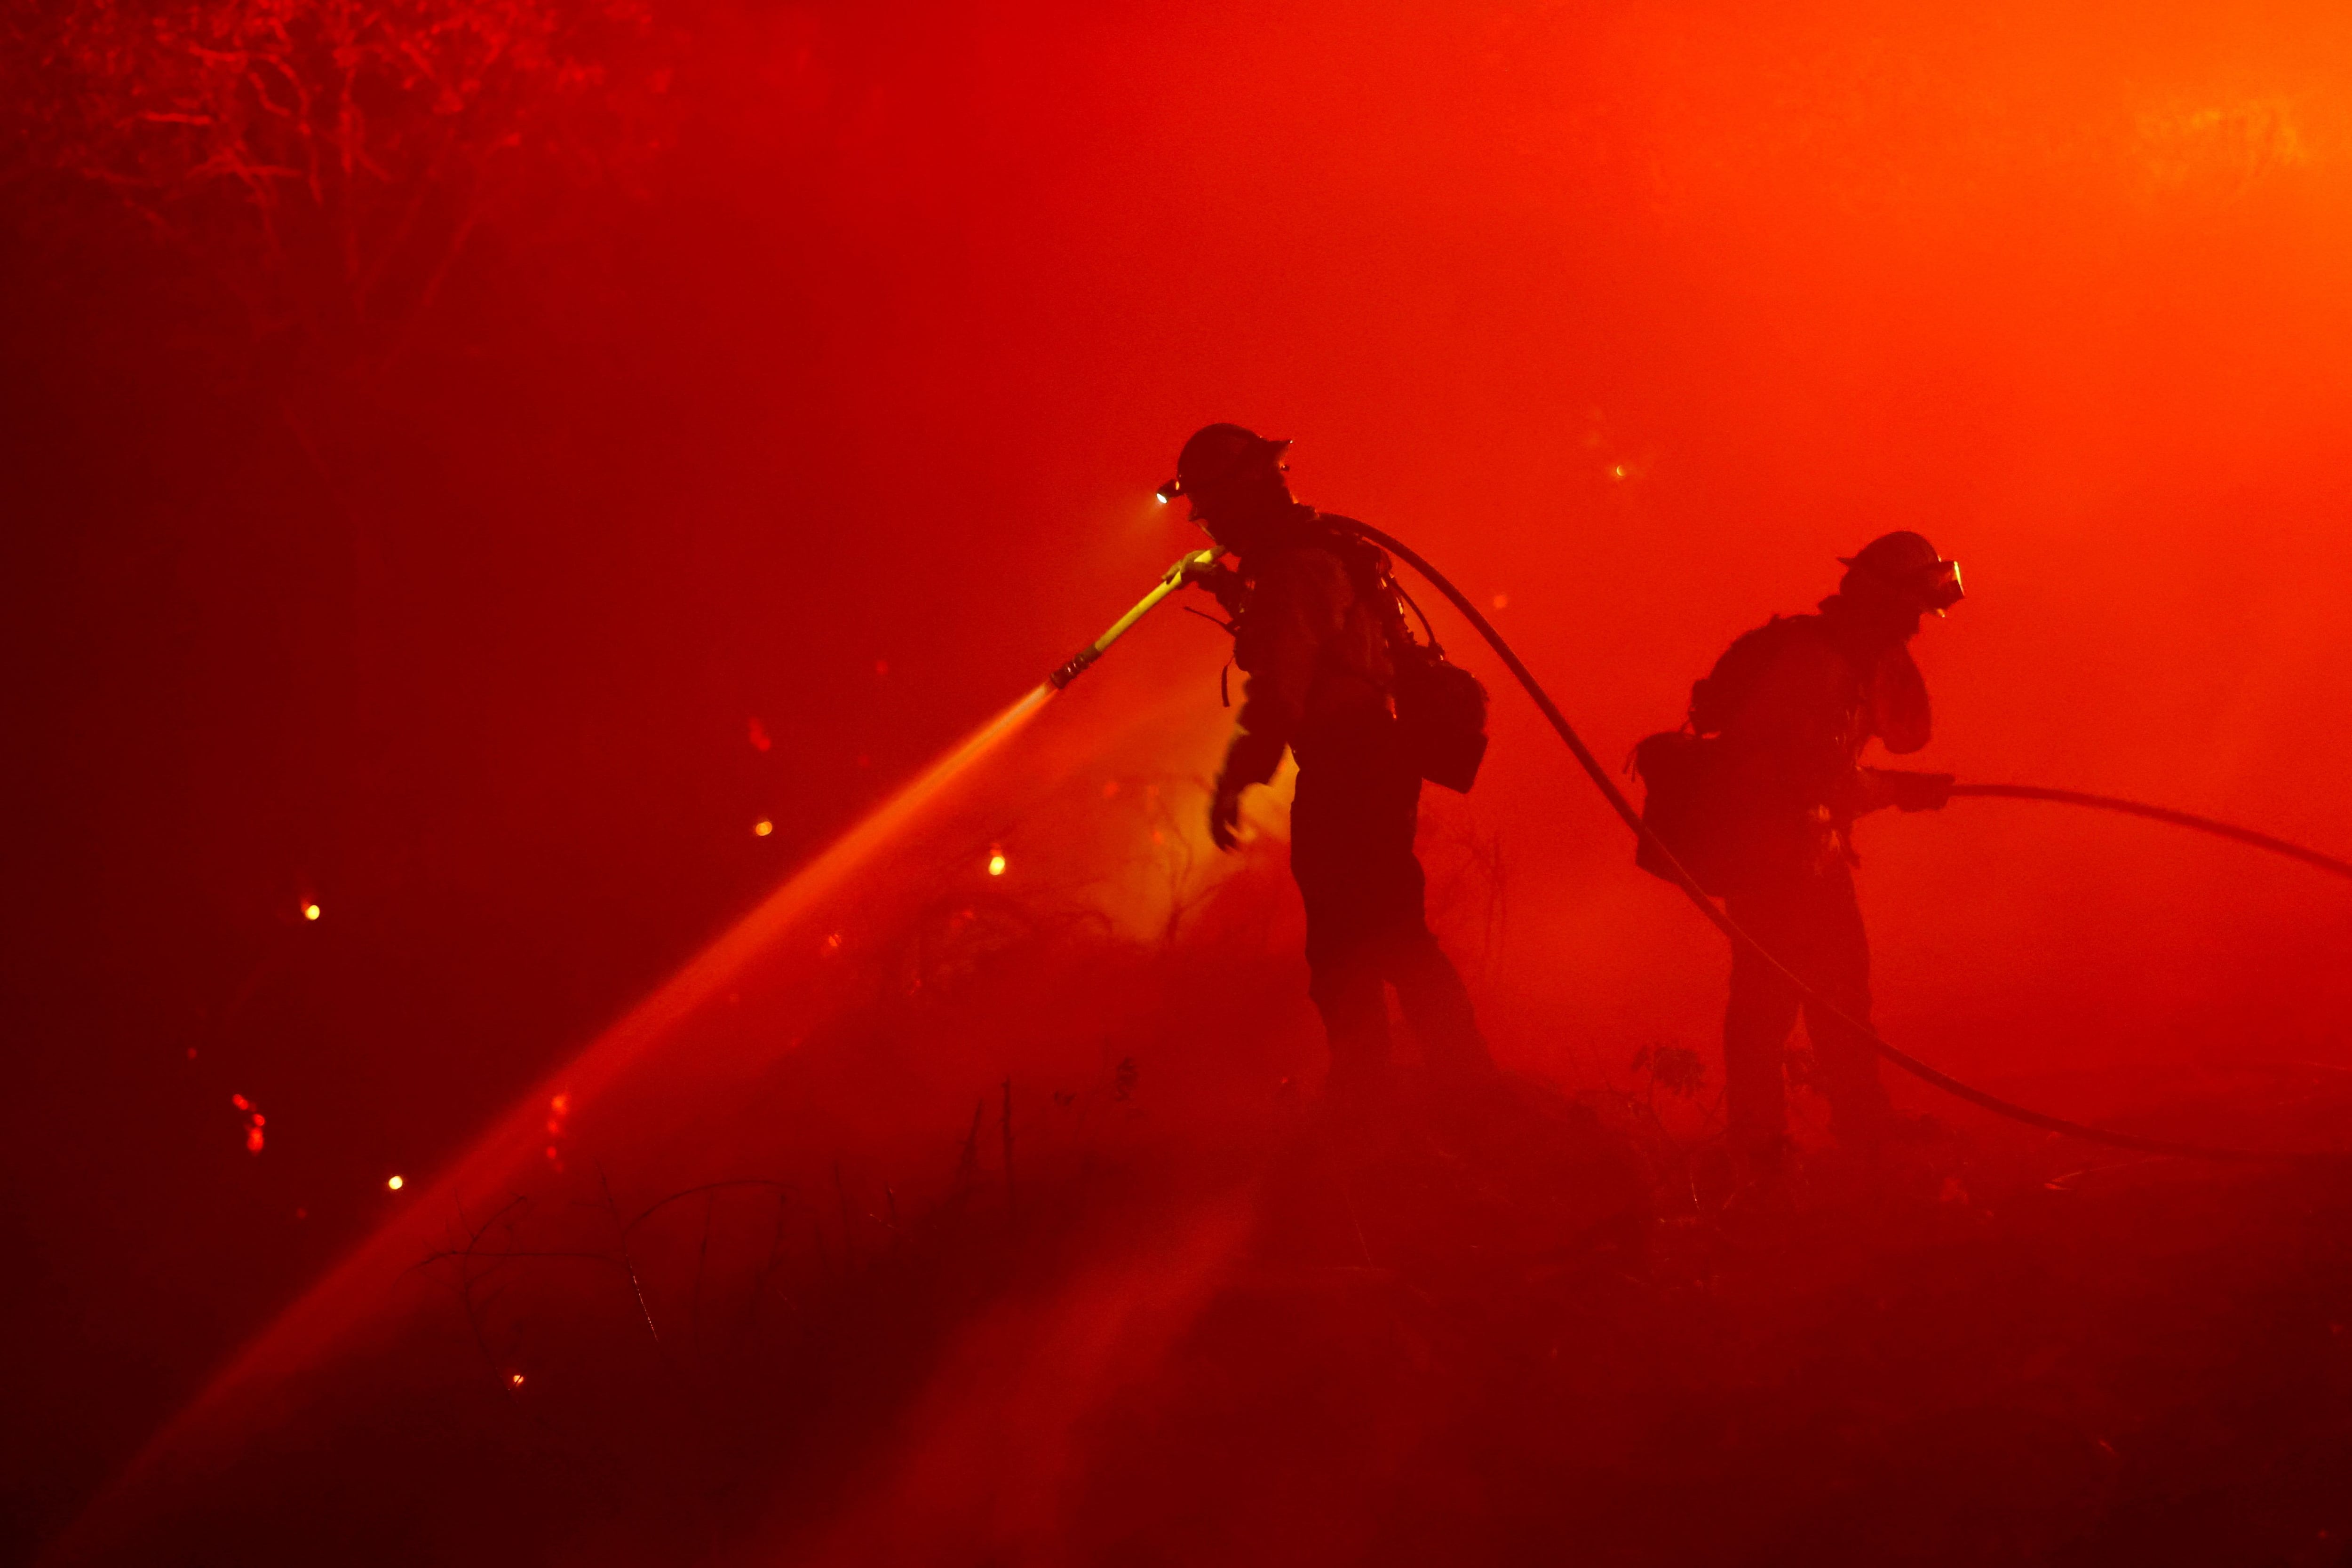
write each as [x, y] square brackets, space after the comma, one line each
[1224, 585]
[1293, 611]
[1905, 789]
[1900, 714]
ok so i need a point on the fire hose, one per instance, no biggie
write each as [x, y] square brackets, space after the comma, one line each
[1197, 562]
[1732, 929]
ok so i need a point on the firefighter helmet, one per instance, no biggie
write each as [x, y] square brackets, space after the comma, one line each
[1908, 563]
[1218, 452]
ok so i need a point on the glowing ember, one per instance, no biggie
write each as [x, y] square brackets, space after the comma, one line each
[764, 827]
[395, 1184]
[514, 1380]
[254, 1123]
[558, 1108]
[1502, 602]
[309, 912]
[996, 863]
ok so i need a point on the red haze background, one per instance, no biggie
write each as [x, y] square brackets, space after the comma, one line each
[441, 550]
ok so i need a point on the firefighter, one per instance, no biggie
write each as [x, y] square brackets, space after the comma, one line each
[1315, 617]
[1794, 703]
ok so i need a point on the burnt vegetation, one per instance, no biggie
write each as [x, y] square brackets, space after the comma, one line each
[1436, 1332]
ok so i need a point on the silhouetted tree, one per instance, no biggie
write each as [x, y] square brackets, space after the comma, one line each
[327, 162]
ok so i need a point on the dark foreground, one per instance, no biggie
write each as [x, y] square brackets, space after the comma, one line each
[1515, 1332]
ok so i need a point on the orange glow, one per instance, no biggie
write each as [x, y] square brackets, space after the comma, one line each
[764, 827]
[514, 1380]
[309, 912]
[995, 862]
[1502, 602]
[355, 1286]
[559, 1107]
[253, 1122]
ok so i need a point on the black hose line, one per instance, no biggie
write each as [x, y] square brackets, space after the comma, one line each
[1738, 936]
[2328, 863]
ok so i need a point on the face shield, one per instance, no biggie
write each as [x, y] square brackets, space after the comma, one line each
[1938, 586]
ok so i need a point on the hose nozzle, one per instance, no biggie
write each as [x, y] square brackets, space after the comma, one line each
[1075, 668]
[1186, 568]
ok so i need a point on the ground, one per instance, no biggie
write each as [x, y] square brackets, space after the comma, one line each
[1496, 1330]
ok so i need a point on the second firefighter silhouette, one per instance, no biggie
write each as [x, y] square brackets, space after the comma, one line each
[1319, 633]
[1757, 795]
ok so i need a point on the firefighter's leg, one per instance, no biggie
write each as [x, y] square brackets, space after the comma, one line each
[1329, 823]
[1344, 980]
[1839, 967]
[1437, 1005]
[1391, 891]
[1755, 1024]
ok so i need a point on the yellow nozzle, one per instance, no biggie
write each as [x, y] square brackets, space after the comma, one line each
[1186, 568]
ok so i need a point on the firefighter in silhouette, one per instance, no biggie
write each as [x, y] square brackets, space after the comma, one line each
[1313, 617]
[1792, 705]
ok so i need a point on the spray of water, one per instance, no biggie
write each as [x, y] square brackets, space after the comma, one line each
[314, 1324]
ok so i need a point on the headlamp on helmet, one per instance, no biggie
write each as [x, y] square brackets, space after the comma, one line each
[1217, 452]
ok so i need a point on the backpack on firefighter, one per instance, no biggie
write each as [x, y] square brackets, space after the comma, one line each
[1692, 798]
[1441, 707]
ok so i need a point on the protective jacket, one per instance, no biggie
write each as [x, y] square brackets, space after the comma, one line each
[1318, 637]
[1795, 701]
[1312, 641]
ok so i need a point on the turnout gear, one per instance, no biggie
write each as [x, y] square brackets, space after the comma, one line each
[1757, 796]
[1321, 641]
[1765, 776]
[1375, 662]
[1814, 925]
[1317, 657]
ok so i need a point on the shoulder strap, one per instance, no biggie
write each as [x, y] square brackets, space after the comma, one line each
[1373, 576]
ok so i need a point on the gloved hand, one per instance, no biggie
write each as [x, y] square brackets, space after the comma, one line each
[1226, 816]
[1224, 584]
[1909, 791]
